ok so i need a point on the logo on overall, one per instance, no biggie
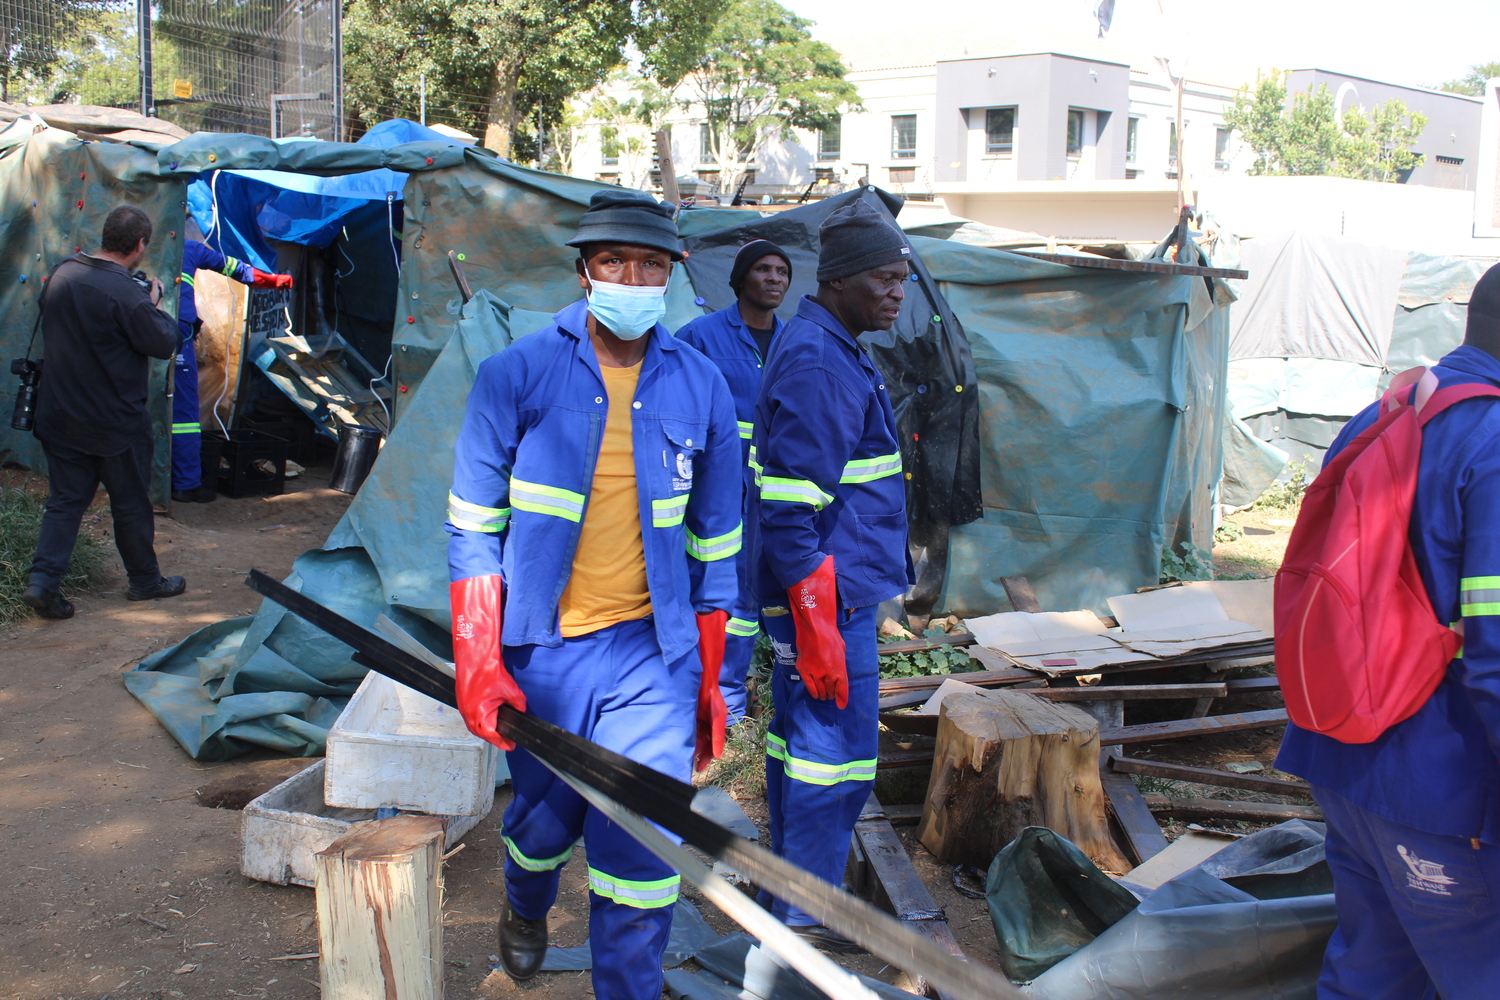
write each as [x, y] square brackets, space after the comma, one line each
[684, 480]
[463, 628]
[785, 654]
[1425, 875]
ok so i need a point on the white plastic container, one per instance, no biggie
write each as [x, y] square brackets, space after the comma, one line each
[281, 830]
[392, 746]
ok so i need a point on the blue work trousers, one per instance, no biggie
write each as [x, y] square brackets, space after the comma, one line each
[1419, 913]
[613, 687]
[187, 434]
[739, 643]
[820, 759]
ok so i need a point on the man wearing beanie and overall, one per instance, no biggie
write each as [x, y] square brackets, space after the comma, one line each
[832, 545]
[595, 516]
[737, 340]
[1414, 816]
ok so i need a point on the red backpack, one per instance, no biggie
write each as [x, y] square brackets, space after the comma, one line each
[1358, 646]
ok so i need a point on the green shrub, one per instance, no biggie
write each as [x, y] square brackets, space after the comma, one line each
[941, 660]
[1193, 564]
[20, 523]
[1228, 532]
[1285, 496]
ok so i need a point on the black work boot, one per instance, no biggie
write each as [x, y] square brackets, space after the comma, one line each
[47, 603]
[523, 944]
[167, 586]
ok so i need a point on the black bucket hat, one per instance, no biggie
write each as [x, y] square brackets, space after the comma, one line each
[624, 215]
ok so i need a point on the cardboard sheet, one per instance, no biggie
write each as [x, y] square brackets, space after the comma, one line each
[1180, 640]
[998, 631]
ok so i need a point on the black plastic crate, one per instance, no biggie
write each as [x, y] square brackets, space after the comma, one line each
[299, 433]
[240, 475]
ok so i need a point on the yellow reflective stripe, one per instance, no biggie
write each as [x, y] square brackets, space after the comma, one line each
[187, 279]
[1479, 583]
[473, 517]
[815, 773]
[231, 264]
[711, 549]
[187, 428]
[642, 895]
[539, 499]
[755, 466]
[534, 864]
[864, 470]
[669, 513]
[793, 491]
[1479, 608]
[1479, 595]
[747, 429]
[741, 626]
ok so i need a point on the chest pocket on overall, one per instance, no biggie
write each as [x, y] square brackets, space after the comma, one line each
[682, 442]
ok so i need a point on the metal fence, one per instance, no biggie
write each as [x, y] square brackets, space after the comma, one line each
[268, 67]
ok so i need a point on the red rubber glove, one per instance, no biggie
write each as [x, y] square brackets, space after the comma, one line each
[483, 682]
[712, 712]
[260, 279]
[820, 646]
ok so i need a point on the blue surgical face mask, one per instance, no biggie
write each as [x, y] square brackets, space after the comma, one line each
[628, 310]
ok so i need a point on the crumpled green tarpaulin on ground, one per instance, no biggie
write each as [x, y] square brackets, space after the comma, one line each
[273, 680]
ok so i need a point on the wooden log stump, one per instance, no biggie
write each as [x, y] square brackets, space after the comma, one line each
[1007, 760]
[380, 927]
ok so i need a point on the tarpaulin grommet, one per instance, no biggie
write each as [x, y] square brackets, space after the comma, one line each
[80, 203]
[958, 388]
[429, 161]
[462, 257]
[698, 301]
[937, 319]
[83, 177]
[921, 388]
[172, 166]
[23, 279]
[172, 235]
[401, 388]
[213, 158]
[908, 475]
[916, 437]
[178, 279]
[411, 319]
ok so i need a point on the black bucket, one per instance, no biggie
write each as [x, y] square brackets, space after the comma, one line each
[358, 448]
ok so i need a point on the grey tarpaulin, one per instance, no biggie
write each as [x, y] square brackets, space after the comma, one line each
[739, 960]
[1250, 923]
[689, 934]
[387, 555]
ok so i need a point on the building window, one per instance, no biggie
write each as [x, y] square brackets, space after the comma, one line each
[706, 144]
[903, 137]
[902, 175]
[1000, 131]
[1132, 132]
[1221, 148]
[1452, 161]
[709, 177]
[824, 175]
[609, 146]
[831, 141]
[1075, 132]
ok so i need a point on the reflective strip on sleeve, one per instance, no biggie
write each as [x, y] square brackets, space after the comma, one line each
[641, 895]
[755, 466]
[865, 470]
[187, 279]
[741, 626]
[747, 429]
[669, 513]
[1479, 595]
[815, 773]
[534, 864]
[231, 265]
[710, 549]
[187, 428]
[472, 517]
[539, 499]
[793, 491]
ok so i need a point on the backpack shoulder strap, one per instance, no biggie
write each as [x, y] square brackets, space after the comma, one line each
[1446, 397]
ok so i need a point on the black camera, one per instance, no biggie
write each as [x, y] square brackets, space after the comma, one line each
[143, 281]
[23, 417]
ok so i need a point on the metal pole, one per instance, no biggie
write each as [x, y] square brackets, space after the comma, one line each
[422, 90]
[143, 32]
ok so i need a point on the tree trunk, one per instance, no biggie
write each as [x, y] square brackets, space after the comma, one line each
[1007, 760]
[504, 110]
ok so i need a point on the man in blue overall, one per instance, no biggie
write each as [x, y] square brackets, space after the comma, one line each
[596, 502]
[737, 340]
[1414, 817]
[187, 466]
[832, 545]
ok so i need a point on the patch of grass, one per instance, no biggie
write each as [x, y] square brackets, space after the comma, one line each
[742, 770]
[1245, 567]
[20, 522]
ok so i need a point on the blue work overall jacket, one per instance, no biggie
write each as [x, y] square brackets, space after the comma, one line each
[202, 257]
[723, 338]
[1438, 771]
[524, 467]
[827, 466]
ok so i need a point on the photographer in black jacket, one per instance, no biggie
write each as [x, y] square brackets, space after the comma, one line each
[99, 326]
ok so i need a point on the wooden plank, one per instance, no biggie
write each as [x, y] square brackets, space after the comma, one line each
[1145, 266]
[1209, 776]
[1022, 597]
[979, 678]
[922, 645]
[987, 678]
[897, 886]
[380, 912]
[1248, 685]
[1249, 812]
[915, 757]
[1152, 732]
[1141, 830]
[926, 725]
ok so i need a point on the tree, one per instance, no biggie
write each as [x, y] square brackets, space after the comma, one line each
[1472, 82]
[627, 126]
[1310, 138]
[760, 76]
[34, 39]
[494, 64]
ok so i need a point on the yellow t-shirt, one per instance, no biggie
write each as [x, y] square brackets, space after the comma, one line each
[608, 581]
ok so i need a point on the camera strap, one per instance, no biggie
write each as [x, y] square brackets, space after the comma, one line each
[41, 302]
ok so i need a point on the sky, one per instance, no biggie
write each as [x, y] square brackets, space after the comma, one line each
[1421, 44]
